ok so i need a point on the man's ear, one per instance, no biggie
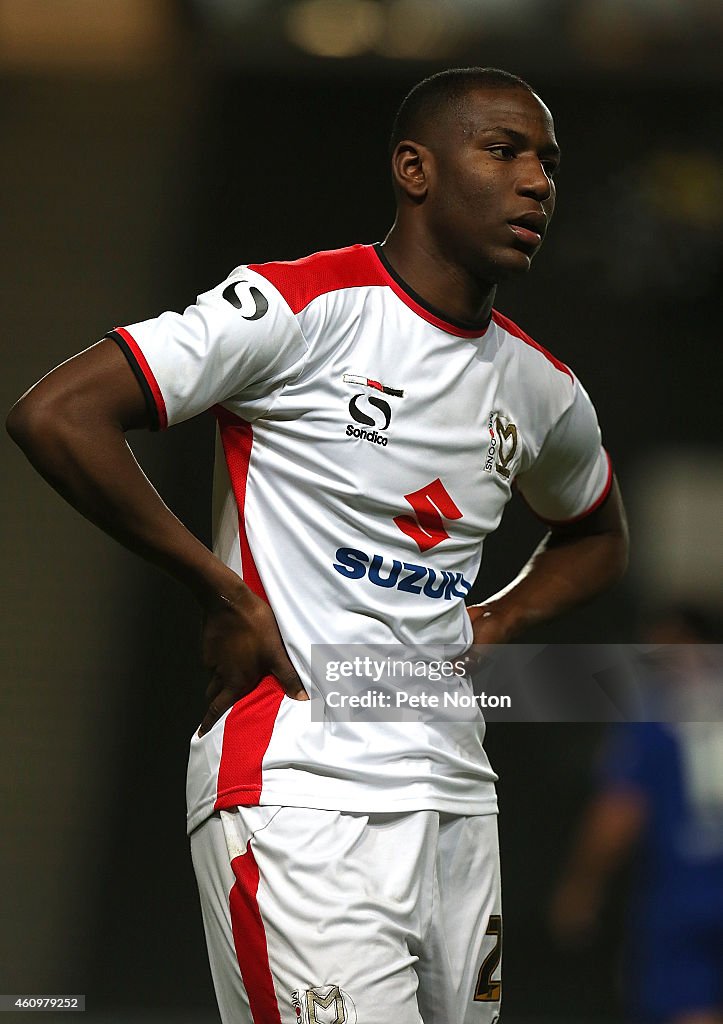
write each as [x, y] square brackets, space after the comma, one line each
[410, 164]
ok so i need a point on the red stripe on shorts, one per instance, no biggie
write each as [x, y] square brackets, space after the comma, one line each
[249, 937]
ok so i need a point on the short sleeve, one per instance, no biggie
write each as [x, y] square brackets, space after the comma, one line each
[238, 341]
[572, 474]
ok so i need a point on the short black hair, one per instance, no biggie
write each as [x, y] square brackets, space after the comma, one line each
[424, 105]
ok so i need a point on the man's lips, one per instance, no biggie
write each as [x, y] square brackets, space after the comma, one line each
[529, 228]
[526, 235]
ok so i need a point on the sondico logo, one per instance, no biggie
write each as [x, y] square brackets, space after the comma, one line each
[245, 297]
[325, 1004]
[432, 504]
[370, 410]
[503, 445]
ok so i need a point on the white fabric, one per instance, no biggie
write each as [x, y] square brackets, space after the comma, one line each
[562, 466]
[397, 910]
[200, 357]
[324, 492]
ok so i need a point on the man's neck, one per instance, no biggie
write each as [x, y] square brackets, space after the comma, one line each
[437, 281]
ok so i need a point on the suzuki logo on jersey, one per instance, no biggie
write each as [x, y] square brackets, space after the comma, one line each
[503, 445]
[245, 297]
[432, 505]
[406, 577]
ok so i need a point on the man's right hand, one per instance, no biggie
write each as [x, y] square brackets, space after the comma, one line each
[241, 645]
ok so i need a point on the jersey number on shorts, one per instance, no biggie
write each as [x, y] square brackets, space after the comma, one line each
[489, 991]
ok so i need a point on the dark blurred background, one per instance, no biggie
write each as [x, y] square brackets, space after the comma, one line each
[149, 147]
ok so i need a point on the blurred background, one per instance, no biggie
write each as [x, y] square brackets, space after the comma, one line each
[151, 146]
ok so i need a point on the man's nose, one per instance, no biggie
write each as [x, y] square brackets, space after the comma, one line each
[533, 181]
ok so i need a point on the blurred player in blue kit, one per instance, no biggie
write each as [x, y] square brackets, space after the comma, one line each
[374, 411]
[660, 793]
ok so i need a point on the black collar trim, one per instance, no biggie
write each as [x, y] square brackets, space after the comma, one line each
[478, 327]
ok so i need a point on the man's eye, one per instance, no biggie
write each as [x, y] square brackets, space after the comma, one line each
[501, 152]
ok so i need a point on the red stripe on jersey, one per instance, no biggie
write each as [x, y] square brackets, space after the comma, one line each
[511, 327]
[249, 939]
[237, 438]
[246, 737]
[148, 374]
[250, 722]
[596, 504]
[302, 281]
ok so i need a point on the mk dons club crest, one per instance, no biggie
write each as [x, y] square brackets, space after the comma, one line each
[502, 447]
[325, 1004]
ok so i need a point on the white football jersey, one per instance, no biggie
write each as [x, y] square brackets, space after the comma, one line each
[369, 445]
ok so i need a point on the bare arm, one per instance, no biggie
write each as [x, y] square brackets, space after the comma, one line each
[571, 565]
[71, 425]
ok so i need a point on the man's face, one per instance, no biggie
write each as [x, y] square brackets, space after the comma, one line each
[490, 190]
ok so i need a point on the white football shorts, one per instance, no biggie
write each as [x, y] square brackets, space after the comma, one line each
[327, 917]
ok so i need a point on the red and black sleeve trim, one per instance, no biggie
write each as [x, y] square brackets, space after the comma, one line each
[144, 375]
[599, 501]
